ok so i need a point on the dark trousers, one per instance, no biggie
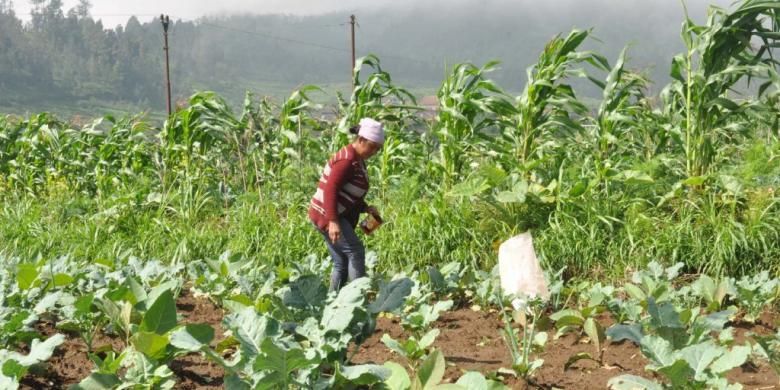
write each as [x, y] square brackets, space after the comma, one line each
[348, 255]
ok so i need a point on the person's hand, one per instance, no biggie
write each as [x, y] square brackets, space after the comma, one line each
[373, 211]
[334, 231]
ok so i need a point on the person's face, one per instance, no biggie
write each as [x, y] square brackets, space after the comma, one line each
[365, 148]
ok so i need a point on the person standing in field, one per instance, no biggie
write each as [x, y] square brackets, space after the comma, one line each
[339, 200]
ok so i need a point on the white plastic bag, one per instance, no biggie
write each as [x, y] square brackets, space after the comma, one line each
[519, 269]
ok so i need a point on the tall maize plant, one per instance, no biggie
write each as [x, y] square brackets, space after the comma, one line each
[270, 138]
[33, 152]
[621, 107]
[375, 96]
[197, 139]
[618, 121]
[548, 109]
[257, 145]
[469, 104]
[294, 124]
[772, 104]
[719, 55]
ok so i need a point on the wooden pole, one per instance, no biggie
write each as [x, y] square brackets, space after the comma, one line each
[165, 20]
[352, 65]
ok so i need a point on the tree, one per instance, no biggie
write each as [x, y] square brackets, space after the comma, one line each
[82, 10]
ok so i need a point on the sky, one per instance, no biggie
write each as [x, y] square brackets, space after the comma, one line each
[115, 12]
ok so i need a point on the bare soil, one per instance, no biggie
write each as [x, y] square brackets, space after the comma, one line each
[70, 363]
[470, 340]
[193, 370]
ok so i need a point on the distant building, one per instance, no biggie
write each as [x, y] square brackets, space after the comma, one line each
[430, 105]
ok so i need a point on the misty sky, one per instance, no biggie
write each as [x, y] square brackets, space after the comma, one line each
[114, 12]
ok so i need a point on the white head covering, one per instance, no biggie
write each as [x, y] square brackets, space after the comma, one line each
[372, 130]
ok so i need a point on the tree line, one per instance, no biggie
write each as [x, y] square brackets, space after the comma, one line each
[59, 56]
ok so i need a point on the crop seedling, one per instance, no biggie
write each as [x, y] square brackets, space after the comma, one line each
[585, 320]
[429, 376]
[531, 341]
[768, 347]
[417, 322]
[754, 293]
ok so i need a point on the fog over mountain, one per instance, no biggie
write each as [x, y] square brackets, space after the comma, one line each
[54, 52]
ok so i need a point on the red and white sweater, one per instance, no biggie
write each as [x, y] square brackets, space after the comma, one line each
[341, 189]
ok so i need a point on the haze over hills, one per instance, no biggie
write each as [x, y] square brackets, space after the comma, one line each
[61, 57]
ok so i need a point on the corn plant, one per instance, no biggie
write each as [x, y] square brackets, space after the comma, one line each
[469, 104]
[375, 97]
[719, 55]
[617, 119]
[185, 135]
[270, 137]
[547, 107]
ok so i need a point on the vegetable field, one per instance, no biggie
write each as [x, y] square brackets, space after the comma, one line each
[146, 256]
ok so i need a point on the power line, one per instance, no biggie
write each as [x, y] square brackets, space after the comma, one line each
[271, 36]
[90, 15]
[300, 42]
[266, 35]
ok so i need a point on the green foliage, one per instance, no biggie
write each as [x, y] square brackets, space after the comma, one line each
[697, 366]
[544, 110]
[412, 349]
[754, 293]
[469, 104]
[530, 342]
[713, 292]
[429, 376]
[769, 348]
[15, 365]
[719, 55]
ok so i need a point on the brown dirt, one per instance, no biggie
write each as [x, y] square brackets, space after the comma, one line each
[753, 376]
[193, 370]
[471, 341]
[70, 362]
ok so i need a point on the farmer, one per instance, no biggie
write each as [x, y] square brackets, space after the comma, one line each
[336, 206]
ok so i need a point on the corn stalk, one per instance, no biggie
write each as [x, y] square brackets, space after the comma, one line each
[548, 108]
[469, 104]
[719, 55]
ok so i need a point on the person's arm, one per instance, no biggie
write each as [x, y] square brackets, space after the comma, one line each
[339, 172]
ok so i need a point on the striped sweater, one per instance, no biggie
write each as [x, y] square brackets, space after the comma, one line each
[341, 190]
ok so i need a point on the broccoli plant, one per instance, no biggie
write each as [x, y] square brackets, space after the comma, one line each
[583, 320]
[754, 293]
[421, 338]
[429, 376]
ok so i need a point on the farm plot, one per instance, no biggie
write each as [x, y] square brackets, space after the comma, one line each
[655, 331]
[145, 256]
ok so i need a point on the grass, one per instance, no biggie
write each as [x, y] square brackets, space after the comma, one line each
[271, 226]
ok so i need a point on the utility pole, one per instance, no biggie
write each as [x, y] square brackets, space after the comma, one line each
[165, 22]
[352, 66]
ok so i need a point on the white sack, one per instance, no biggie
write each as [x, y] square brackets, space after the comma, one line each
[519, 269]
